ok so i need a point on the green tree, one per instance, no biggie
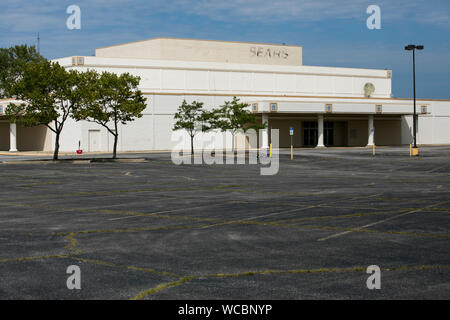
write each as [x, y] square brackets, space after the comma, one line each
[190, 117]
[109, 99]
[12, 63]
[235, 116]
[48, 93]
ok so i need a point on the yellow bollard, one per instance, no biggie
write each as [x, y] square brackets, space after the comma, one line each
[292, 152]
[373, 149]
[270, 151]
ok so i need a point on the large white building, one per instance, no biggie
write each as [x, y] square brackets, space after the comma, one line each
[326, 106]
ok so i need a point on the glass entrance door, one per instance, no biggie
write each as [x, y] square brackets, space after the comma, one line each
[328, 133]
[310, 133]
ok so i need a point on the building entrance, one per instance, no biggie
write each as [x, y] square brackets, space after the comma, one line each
[328, 132]
[311, 133]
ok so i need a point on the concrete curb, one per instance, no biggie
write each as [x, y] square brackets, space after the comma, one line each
[77, 161]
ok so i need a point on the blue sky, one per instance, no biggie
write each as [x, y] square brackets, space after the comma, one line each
[332, 32]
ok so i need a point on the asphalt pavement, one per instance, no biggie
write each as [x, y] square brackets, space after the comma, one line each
[156, 230]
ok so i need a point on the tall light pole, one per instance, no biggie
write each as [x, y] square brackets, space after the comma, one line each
[413, 48]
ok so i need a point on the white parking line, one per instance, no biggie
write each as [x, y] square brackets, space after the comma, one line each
[143, 214]
[292, 210]
[381, 221]
[437, 169]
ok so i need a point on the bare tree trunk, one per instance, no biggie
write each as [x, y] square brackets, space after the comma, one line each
[56, 152]
[257, 144]
[192, 145]
[116, 136]
[232, 142]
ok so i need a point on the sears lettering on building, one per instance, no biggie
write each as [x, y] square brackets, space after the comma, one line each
[268, 53]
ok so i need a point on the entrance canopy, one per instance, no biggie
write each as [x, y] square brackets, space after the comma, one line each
[333, 105]
[334, 122]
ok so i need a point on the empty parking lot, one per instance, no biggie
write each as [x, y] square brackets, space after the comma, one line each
[154, 230]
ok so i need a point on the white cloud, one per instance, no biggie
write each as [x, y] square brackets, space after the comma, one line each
[30, 16]
[274, 11]
[107, 21]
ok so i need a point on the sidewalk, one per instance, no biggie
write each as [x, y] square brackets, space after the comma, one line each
[50, 153]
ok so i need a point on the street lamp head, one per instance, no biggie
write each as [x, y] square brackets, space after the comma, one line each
[412, 47]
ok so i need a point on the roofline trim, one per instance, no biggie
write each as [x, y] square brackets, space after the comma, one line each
[189, 39]
[283, 96]
[207, 68]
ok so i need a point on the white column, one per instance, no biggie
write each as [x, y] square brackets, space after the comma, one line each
[371, 139]
[320, 132]
[12, 137]
[265, 132]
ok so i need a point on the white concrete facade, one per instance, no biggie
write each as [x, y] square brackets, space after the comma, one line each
[205, 51]
[302, 94]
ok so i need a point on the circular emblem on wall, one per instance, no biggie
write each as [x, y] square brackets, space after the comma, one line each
[369, 89]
